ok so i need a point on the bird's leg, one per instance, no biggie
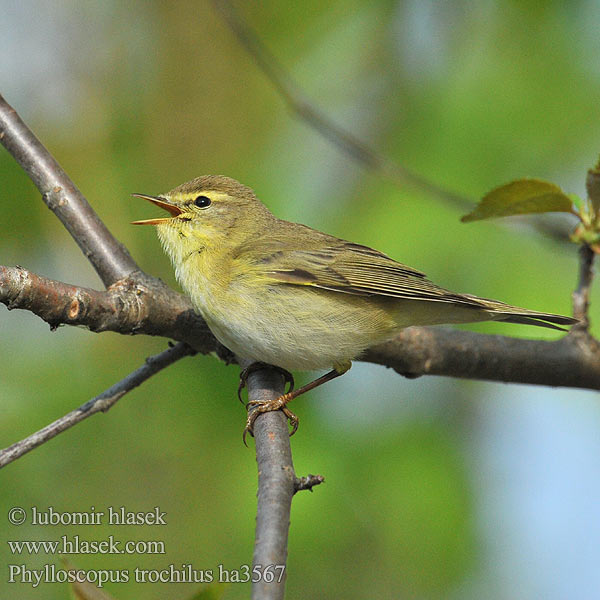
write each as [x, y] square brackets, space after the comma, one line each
[256, 407]
[256, 366]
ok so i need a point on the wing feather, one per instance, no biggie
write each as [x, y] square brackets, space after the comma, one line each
[349, 268]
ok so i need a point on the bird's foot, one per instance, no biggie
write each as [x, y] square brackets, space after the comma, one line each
[257, 408]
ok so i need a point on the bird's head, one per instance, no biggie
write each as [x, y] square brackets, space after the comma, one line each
[209, 211]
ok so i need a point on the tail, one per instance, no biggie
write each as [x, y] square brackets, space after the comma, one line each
[499, 311]
[540, 320]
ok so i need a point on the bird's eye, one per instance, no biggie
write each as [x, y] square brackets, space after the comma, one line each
[202, 201]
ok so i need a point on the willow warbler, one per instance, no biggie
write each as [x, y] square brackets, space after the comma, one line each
[287, 295]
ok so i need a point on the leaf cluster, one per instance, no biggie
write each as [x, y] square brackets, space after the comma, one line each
[529, 196]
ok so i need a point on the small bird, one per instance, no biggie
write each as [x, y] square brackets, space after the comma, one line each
[289, 296]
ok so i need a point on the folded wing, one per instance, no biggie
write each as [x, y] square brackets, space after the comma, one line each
[340, 266]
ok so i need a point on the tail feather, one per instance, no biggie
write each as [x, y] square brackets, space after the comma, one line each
[499, 311]
[540, 321]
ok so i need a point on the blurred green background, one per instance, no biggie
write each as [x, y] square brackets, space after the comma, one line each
[435, 488]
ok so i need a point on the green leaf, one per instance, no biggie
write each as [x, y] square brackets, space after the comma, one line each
[521, 197]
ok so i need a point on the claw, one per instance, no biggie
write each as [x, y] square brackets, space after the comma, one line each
[292, 418]
[242, 385]
[246, 432]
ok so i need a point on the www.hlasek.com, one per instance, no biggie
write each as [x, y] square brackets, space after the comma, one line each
[75, 545]
[171, 574]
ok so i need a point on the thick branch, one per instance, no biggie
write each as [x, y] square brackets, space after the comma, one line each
[109, 257]
[568, 362]
[276, 481]
[138, 304]
[103, 403]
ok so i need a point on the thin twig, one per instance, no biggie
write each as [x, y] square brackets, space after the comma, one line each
[297, 102]
[110, 258]
[581, 296]
[101, 403]
[308, 482]
[275, 485]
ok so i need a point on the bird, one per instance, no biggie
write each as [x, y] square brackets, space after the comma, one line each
[286, 295]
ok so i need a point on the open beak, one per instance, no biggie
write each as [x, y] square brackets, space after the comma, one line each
[173, 210]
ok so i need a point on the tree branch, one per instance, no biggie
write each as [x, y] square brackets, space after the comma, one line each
[416, 351]
[581, 296]
[308, 482]
[276, 479]
[110, 258]
[137, 304]
[103, 402]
